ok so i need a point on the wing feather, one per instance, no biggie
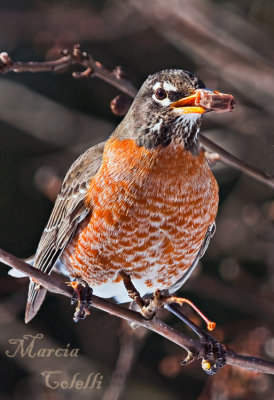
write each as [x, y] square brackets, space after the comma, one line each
[69, 210]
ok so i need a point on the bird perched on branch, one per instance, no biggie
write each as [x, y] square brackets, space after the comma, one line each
[141, 205]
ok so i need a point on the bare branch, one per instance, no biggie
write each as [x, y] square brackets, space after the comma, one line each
[77, 57]
[221, 154]
[116, 78]
[56, 285]
[131, 342]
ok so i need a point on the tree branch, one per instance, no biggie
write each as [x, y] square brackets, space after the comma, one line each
[76, 57]
[120, 106]
[56, 285]
[229, 159]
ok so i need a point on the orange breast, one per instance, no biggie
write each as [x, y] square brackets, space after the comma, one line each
[151, 211]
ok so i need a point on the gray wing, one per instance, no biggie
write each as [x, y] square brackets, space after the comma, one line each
[210, 232]
[69, 210]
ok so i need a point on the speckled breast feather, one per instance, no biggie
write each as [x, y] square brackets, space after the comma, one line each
[149, 221]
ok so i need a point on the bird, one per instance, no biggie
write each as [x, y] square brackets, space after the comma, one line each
[143, 203]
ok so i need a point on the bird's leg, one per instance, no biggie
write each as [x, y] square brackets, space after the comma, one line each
[215, 353]
[82, 293]
[149, 306]
[147, 310]
[159, 300]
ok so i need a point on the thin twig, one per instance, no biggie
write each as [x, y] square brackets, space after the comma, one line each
[56, 285]
[116, 78]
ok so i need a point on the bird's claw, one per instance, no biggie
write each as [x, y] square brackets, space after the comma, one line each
[82, 294]
[215, 355]
[191, 356]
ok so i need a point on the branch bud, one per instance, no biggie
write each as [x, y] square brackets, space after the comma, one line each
[5, 60]
[120, 105]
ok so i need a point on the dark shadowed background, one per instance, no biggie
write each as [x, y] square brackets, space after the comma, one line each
[47, 120]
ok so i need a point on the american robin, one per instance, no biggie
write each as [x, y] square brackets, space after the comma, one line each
[141, 205]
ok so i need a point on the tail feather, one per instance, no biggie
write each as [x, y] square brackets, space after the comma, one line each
[34, 302]
[37, 296]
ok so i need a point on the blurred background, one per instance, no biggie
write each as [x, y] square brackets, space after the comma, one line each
[48, 119]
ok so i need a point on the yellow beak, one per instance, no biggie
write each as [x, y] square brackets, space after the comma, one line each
[189, 104]
[204, 100]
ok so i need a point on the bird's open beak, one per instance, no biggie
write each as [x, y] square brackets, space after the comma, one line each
[204, 100]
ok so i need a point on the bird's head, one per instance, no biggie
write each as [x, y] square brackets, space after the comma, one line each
[170, 105]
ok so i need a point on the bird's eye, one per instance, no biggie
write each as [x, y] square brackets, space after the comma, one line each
[161, 94]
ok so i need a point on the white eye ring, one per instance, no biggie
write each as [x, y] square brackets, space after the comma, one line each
[164, 103]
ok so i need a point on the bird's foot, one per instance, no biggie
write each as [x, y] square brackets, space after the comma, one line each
[214, 358]
[192, 355]
[37, 284]
[215, 354]
[82, 294]
[152, 304]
